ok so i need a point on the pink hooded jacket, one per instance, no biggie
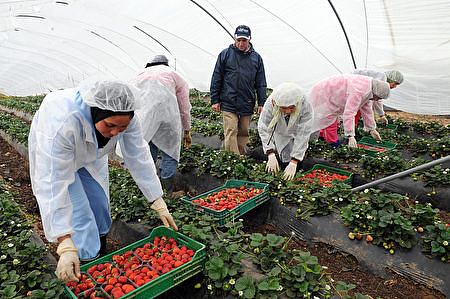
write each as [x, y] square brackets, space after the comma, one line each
[176, 84]
[342, 95]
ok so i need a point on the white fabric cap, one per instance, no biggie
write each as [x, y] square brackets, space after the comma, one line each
[109, 94]
[380, 89]
[287, 94]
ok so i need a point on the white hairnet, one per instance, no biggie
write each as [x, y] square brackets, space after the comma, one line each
[394, 76]
[287, 94]
[110, 94]
[159, 59]
[370, 73]
[380, 89]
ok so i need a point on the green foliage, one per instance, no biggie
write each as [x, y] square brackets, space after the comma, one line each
[17, 129]
[435, 176]
[205, 113]
[24, 106]
[440, 147]
[127, 201]
[437, 240]
[207, 128]
[21, 267]
[387, 163]
[379, 214]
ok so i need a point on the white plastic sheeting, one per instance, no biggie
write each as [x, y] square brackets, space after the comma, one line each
[46, 45]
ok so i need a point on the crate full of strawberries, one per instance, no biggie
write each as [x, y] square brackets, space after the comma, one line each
[232, 200]
[326, 176]
[144, 269]
[373, 147]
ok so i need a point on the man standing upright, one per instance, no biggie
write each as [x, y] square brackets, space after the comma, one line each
[238, 73]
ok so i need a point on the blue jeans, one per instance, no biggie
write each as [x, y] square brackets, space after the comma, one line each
[91, 214]
[168, 164]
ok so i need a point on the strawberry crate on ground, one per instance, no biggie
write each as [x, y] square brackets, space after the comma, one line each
[159, 281]
[389, 127]
[374, 147]
[326, 172]
[227, 214]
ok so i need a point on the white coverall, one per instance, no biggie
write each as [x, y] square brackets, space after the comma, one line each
[342, 95]
[289, 141]
[69, 175]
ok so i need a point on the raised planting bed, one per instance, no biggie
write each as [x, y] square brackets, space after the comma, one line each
[232, 200]
[144, 269]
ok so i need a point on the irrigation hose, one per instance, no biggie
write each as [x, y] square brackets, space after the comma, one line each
[402, 174]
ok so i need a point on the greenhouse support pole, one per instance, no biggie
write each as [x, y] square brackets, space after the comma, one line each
[402, 174]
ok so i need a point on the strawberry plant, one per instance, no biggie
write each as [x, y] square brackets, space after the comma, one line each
[192, 157]
[318, 148]
[324, 201]
[384, 164]
[200, 102]
[419, 146]
[379, 214]
[17, 129]
[127, 200]
[440, 147]
[207, 128]
[254, 139]
[24, 106]
[346, 154]
[422, 215]
[206, 113]
[435, 176]
[437, 239]
[22, 269]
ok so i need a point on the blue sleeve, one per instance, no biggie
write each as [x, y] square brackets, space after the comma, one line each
[260, 83]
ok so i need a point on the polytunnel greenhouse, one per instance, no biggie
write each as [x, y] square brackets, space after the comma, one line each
[365, 221]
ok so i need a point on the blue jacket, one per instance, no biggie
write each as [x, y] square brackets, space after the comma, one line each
[236, 76]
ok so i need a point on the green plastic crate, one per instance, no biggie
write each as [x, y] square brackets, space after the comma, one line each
[333, 170]
[373, 143]
[226, 215]
[389, 127]
[166, 281]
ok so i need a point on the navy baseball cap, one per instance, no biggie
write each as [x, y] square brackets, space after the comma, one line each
[242, 31]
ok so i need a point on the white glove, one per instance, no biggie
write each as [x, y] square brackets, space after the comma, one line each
[159, 206]
[289, 171]
[68, 261]
[272, 164]
[352, 142]
[375, 134]
[384, 120]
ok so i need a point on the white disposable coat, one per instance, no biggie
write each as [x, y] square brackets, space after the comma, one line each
[176, 85]
[295, 137]
[377, 105]
[342, 95]
[159, 117]
[61, 141]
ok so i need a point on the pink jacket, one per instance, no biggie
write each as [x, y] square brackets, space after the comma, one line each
[176, 84]
[343, 95]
